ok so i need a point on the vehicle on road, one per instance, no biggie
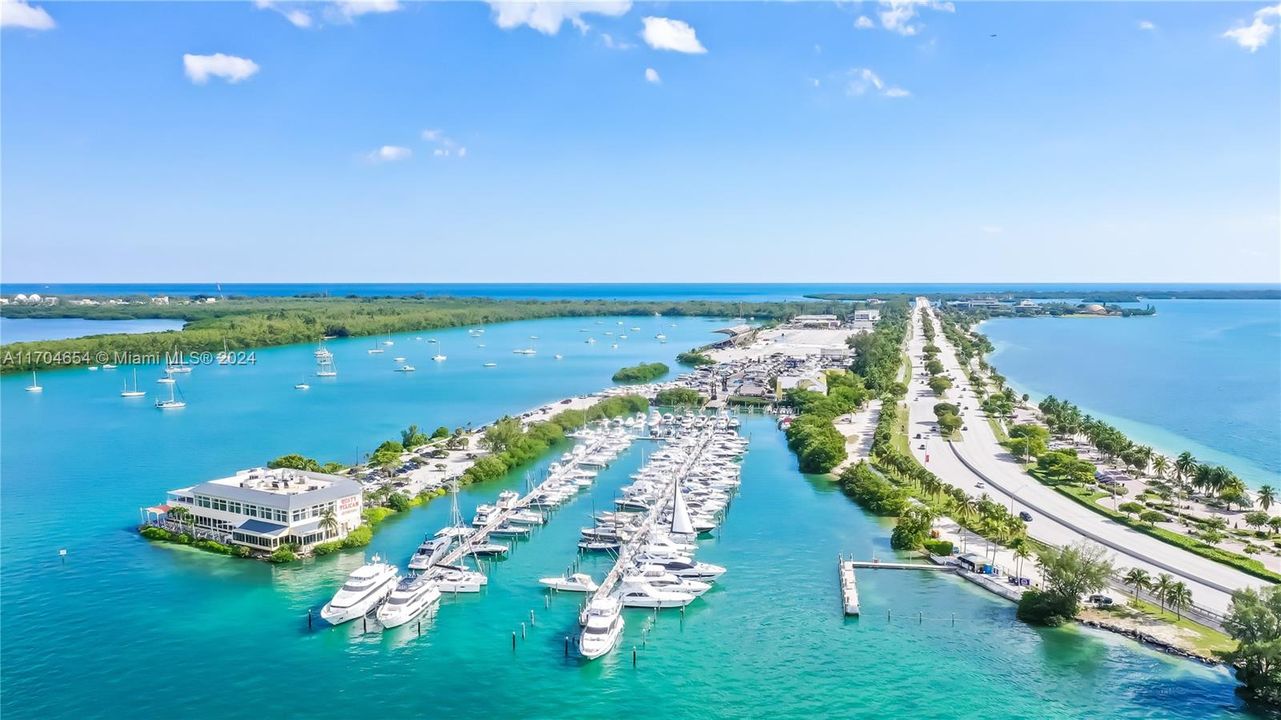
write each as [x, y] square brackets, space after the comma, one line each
[1025, 516]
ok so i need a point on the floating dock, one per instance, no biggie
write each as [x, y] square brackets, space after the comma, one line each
[849, 586]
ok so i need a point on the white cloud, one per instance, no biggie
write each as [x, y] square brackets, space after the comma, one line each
[444, 146]
[1257, 33]
[1147, 25]
[389, 153]
[898, 15]
[228, 67]
[547, 17]
[651, 76]
[864, 23]
[614, 43]
[355, 8]
[18, 14]
[292, 12]
[861, 81]
[666, 34]
[992, 229]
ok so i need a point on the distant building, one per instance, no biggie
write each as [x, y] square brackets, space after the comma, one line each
[867, 315]
[160, 300]
[817, 321]
[263, 508]
[814, 380]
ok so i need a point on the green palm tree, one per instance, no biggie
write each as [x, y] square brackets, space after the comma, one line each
[1161, 588]
[1184, 466]
[1160, 464]
[1266, 496]
[329, 523]
[1139, 579]
[1179, 598]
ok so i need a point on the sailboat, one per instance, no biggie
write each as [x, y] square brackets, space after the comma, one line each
[302, 385]
[135, 392]
[375, 350]
[321, 350]
[35, 385]
[224, 357]
[681, 522]
[325, 367]
[439, 356]
[173, 403]
[168, 377]
[388, 341]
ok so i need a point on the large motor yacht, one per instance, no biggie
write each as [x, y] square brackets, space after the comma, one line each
[602, 628]
[410, 598]
[365, 588]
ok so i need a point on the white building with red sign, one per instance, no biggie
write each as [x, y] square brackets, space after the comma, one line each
[265, 507]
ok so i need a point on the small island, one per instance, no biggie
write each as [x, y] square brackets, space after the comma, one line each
[645, 372]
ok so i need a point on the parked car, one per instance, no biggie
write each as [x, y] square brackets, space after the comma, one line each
[921, 446]
[1025, 516]
[1101, 600]
[980, 484]
[918, 436]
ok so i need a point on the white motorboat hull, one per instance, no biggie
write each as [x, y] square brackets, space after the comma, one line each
[396, 615]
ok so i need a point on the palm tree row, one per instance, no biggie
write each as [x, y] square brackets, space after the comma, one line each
[1165, 588]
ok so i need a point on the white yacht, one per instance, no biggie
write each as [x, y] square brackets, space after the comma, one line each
[375, 350]
[35, 385]
[455, 579]
[410, 598]
[302, 386]
[388, 342]
[558, 356]
[406, 368]
[366, 587]
[430, 552]
[135, 392]
[578, 582]
[602, 627]
[325, 365]
[399, 359]
[634, 592]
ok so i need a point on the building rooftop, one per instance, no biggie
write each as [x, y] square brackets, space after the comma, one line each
[283, 488]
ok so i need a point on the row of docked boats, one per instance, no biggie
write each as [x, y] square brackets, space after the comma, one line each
[437, 565]
[679, 495]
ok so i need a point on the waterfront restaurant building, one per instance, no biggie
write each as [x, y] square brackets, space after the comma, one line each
[265, 507]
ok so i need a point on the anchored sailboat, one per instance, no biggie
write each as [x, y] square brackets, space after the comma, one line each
[135, 392]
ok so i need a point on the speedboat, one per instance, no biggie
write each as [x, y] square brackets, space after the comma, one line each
[366, 587]
[663, 580]
[491, 364]
[602, 626]
[488, 549]
[635, 592]
[558, 356]
[302, 386]
[430, 552]
[526, 517]
[510, 531]
[406, 368]
[578, 582]
[411, 597]
[455, 579]
[597, 545]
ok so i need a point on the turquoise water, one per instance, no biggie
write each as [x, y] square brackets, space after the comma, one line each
[26, 330]
[129, 628]
[1200, 375]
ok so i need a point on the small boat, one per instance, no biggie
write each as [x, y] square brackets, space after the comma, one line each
[173, 403]
[399, 359]
[602, 627]
[388, 342]
[510, 531]
[439, 356]
[491, 364]
[224, 357]
[634, 592]
[406, 368]
[365, 588]
[109, 366]
[455, 579]
[325, 365]
[578, 582]
[410, 598]
[135, 392]
[525, 351]
[302, 386]
[598, 545]
[375, 350]
[558, 356]
[166, 380]
[35, 386]
[93, 367]
[590, 341]
[489, 549]
[480, 345]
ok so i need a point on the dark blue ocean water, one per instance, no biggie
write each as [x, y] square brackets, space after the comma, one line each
[746, 292]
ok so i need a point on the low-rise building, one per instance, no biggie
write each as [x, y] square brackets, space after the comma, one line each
[265, 507]
[816, 321]
[867, 315]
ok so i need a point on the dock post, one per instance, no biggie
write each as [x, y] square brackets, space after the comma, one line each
[420, 627]
[953, 619]
[513, 641]
[531, 618]
[547, 601]
[522, 631]
[308, 618]
[887, 615]
[633, 656]
[566, 646]
[920, 618]
[364, 621]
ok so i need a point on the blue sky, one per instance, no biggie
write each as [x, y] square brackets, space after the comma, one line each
[594, 142]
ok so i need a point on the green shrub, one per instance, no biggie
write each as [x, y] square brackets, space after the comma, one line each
[283, 554]
[327, 548]
[677, 397]
[359, 537]
[939, 547]
[873, 492]
[398, 502]
[694, 358]
[151, 532]
[1042, 608]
